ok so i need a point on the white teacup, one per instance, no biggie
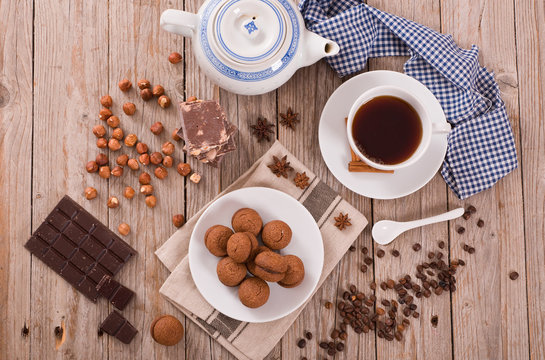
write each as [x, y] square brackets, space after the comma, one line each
[428, 127]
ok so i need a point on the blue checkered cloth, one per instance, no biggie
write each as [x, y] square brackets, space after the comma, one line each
[481, 149]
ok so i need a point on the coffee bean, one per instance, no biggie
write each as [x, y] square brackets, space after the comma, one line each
[328, 305]
[417, 247]
[408, 278]
[343, 335]
[380, 311]
[331, 352]
[471, 250]
[343, 327]
[383, 285]
[480, 223]
[335, 334]
[352, 248]
[438, 291]
[434, 320]
[368, 260]
[340, 346]
[364, 250]
[441, 244]
[363, 268]
[394, 253]
[461, 230]
[302, 343]
[385, 302]
[323, 345]
[466, 215]
[416, 315]
[331, 345]
[380, 253]
[465, 247]
[353, 289]
[471, 209]
[304, 358]
[346, 295]
[373, 286]
[413, 306]
[431, 255]
[406, 311]
[390, 283]
[461, 262]
[514, 275]
[398, 336]
[439, 256]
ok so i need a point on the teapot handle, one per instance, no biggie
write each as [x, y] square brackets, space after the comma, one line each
[179, 22]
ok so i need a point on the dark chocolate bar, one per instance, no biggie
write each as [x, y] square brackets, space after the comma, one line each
[118, 294]
[78, 247]
[119, 327]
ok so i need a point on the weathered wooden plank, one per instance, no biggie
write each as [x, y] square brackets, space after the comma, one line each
[530, 41]
[484, 287]
[15, 178]
[70, 72]
[145, 47]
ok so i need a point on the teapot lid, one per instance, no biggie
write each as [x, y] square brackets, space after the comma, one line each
[249, 40]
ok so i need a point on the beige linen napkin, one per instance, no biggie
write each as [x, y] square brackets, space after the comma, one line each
[255, 340]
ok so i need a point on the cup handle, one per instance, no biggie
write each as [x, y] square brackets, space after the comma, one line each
[440, 128]
[179, 22]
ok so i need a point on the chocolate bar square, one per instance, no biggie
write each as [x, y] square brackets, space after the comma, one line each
[118, 294]
[116, 325]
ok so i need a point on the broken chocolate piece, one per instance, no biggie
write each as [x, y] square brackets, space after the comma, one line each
[118, 295]
[78, 247]
[119, 327]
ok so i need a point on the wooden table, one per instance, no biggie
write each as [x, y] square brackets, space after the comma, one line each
[58, 58]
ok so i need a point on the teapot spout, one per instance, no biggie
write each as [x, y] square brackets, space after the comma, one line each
[317, 47]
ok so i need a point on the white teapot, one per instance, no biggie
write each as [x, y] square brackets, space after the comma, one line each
[249, 47]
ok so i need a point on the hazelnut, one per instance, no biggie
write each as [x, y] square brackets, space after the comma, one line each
[195, 178]
[144, 159]
[122, 160]
[99, 131]
[175, 136]
[124, 229]
[156, 158]
[104, 114]
[106, 101]
[102, 159]
[144, 178]
[113, 202]
[168, 161]
[91, 166]
[163, 101]
[143, 84]
[133, 164]
[178, 220]
[151, 201]
[117, 171]
[175, 58]
[117, 134]
[141, 148]
[128, 192]
[160, 172]
[191, 98]
[114, 145]
[102, 143]
[124, 85]
[183, 169]
[158, 90]
[104, 172]
[167, 148]
[130, 140]
[113, 121]
[146, 94]
[129, 108]
[146, 189]
[90, 193]
[157, 128]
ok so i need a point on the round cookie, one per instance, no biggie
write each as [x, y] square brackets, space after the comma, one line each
[230, 273]
[216, 238]
[270, 266]
[253, 239]
[251, 264]
[295, 273]
[167, 330]
[276, 234]
[254, 292]
[239, 247]
[247, 220]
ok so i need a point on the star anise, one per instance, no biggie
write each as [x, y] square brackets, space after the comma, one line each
[342, 221]
[289, 119]
[262, 129]
[280, 167]
[301, 180]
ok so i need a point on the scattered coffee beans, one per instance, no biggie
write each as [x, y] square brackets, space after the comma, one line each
[308, 335]
[302, 343]
[417, 247]
[471, 209]
[380, 253]
[441, 244]
[352, 248]
[395, 253]
[480, 223]
[461, 230]
[514, 275]
[466, 215]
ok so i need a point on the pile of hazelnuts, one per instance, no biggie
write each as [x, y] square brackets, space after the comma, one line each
[163, 160]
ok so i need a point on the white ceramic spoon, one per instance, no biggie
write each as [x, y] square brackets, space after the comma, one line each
[385, 231]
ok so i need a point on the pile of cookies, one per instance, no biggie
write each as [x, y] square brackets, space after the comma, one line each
[241, 253]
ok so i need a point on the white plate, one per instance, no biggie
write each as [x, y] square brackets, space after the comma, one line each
[306, 243]
[336, 151]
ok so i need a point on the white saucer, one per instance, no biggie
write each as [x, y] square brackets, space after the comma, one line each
[306, 243]
[336, 151]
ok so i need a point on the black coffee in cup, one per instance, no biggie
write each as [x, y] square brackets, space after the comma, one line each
[387, 130]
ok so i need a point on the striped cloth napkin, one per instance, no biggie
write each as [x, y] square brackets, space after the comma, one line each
[241, 338]
[481, 148]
